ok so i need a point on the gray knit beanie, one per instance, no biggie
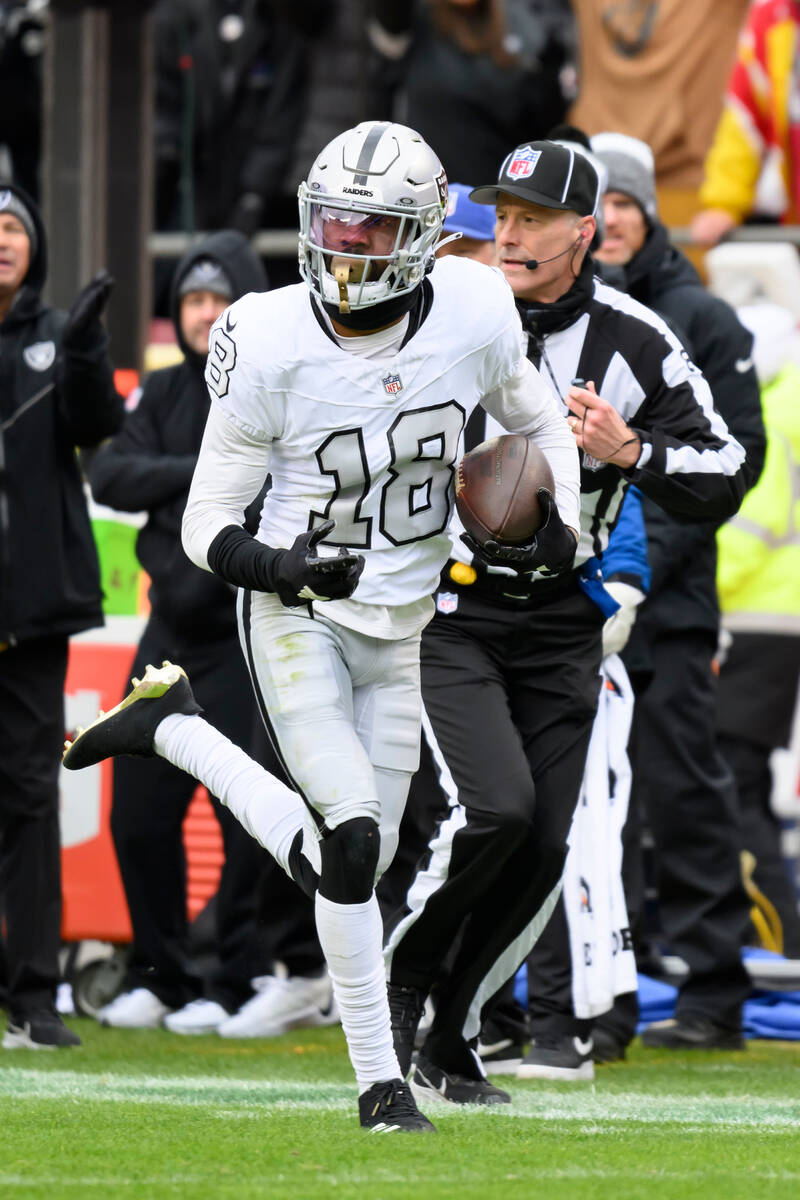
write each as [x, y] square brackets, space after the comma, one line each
[206, 275]
[11, 203]
[630, 167]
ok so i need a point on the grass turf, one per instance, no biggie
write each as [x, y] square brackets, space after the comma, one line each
[149, 1114]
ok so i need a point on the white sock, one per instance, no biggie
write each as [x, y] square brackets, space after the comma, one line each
[351, 937]
[270, 812]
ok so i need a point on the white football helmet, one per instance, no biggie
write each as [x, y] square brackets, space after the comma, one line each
[371, 212]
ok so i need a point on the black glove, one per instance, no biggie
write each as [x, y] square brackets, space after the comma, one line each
[302, 575]
[82, 329]
[551, 550]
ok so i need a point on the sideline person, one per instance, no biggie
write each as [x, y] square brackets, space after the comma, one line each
[56, 392]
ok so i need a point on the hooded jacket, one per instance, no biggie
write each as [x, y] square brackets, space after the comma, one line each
[150, 463]
[50, 402]
[683, 555]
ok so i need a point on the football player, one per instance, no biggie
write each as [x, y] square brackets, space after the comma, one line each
[352, 390]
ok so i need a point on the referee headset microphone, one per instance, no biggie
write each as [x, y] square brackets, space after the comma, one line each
[533, 263]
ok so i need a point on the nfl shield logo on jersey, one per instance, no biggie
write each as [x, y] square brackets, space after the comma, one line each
[392, 385]
[446, 602]
[523, 163]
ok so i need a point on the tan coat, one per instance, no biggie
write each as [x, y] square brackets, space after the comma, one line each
[668, 88]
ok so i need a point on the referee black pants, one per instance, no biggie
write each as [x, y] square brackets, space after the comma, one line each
[510, 696]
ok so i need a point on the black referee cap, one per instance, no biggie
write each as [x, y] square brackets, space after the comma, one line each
[546, 173]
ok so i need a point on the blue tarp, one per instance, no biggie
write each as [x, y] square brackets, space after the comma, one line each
[766, 1014]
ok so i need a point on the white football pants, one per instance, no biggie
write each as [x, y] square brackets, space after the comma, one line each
[343, 710]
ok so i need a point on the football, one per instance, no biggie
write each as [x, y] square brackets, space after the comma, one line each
[496, 486]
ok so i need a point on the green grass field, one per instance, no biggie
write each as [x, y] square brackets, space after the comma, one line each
[151, 1115]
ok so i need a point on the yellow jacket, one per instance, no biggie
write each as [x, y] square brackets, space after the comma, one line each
[758, 573]
[761, 114]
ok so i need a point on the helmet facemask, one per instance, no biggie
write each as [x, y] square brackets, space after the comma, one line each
[375, 245]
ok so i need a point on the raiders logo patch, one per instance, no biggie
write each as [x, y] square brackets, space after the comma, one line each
[40, 355]
[206, 268]
[441, 186]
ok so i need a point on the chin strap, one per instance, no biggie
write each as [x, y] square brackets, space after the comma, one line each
[375, 316]
[451, 237]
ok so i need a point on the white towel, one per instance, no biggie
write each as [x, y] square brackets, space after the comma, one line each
[603, 964]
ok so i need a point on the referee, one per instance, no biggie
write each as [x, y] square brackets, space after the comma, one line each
[510, 660]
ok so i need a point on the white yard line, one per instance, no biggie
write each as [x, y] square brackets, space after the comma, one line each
[356, 1178]
[230, 1098]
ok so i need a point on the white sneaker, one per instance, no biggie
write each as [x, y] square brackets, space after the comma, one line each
[198, 1016]
[139, 1009]
[283, 1004]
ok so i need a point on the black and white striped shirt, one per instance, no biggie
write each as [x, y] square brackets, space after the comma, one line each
[690, 463]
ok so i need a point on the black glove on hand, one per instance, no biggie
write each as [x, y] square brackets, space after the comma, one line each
[302, 575]
[555, 543]
[551, 550]
[81, 330]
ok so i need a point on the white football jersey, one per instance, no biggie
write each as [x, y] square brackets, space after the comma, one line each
[369, 443]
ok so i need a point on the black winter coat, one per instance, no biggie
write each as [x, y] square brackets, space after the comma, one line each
[238, 103]
[150, 463]
[50, 402]
[470, 108]
[683, 554]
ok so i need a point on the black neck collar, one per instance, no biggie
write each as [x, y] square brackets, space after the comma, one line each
[418, 309]
[540, 319]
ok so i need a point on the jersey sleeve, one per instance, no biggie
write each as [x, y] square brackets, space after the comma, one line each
[238, 369]
[505, 350]
[690, 465]
[231, 469]
[524, 404]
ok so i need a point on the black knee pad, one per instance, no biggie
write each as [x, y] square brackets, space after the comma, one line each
[349, 861]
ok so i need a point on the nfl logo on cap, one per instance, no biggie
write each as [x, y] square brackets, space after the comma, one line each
[392, 385]
[523, 163]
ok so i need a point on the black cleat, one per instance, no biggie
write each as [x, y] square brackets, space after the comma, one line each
[406, 1005]
[430, 1082]
[130, 727]
[499, 1055]
[390, 1108]
[38, 1030]
[558, 1056]
[606, 1047]
[692, 1033]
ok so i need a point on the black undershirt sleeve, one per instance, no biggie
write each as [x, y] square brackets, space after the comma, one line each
[238, 558]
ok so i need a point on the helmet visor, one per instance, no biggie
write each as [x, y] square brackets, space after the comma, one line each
[347, 231]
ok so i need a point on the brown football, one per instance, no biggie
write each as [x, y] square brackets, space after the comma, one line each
[496, 488]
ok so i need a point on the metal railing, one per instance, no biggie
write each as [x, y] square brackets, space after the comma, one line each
[282, 243]
[270, 243]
